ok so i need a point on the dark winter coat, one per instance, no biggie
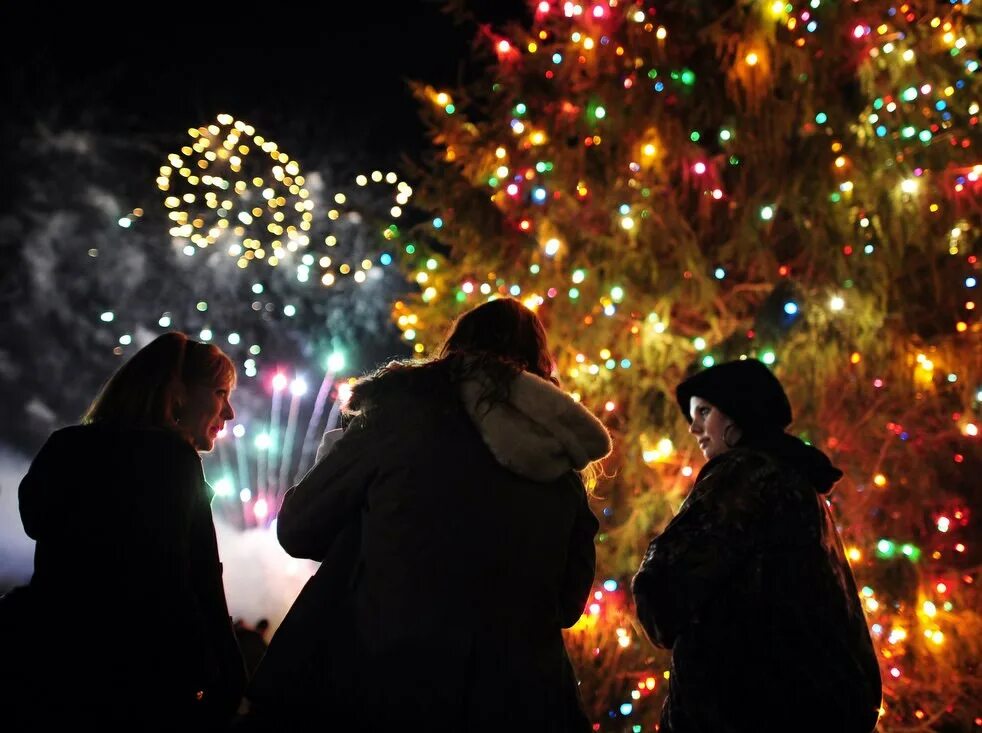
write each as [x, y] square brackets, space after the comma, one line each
[458, 573]
[126, 620]
[749, 587]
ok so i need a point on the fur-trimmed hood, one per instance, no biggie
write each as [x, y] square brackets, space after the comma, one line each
[540, 432]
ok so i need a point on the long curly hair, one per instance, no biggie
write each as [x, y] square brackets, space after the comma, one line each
[492, 342]
[497, 340]
[505, 329]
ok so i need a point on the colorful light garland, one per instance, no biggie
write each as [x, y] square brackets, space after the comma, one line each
[585, 145]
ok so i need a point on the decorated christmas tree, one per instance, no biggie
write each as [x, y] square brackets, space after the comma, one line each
[675, 184]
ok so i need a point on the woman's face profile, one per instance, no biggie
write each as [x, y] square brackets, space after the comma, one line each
[709, 425]
[204, 413]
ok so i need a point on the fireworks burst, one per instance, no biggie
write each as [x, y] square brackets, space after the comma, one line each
[232, 185]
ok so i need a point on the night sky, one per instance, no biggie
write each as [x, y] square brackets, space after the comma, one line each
[326, 84]
[342, 83]
[332, 93]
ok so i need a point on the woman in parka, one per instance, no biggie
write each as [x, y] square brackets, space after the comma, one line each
[748, 585]
[473, 543]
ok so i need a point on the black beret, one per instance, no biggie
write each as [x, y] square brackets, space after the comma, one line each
[745, 390]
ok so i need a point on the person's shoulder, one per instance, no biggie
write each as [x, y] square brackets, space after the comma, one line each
[73, 438]
[113, 448]
[400, 385]
[140, 441]
[764, 476]
[744, 471]
[763, 465]
[164, 457]
[60, 445]
[68, 435]
[166, 442]
[751, 459]
[738, 462]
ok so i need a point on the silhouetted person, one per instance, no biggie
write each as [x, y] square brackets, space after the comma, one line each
[252, 642]
[471, 546]
[126, 550]
[748, 585]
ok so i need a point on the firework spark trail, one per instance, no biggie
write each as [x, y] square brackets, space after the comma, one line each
[333, 418]
[224, 482]
[244, 477]
[297, 389]
[313, 423]
[261, 459]
[269, 489]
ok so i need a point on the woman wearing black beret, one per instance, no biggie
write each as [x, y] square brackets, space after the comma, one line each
[749, 585]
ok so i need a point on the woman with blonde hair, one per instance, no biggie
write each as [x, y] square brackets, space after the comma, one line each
[126, 622]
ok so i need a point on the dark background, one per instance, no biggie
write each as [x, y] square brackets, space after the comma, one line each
[93, 98]
[337, 81]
